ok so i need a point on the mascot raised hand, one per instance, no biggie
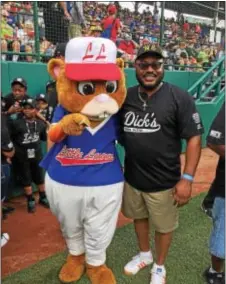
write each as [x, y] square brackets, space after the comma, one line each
[84, 179]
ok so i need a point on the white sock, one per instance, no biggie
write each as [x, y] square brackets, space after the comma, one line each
[3, 57]
[146, 254]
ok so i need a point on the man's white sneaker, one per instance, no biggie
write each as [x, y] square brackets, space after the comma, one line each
[158, 275]
[137, 263]
[4, 239]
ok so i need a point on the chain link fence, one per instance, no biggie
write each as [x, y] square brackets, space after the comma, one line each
[30, 30]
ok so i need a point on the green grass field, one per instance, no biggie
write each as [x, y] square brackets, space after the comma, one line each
[187, 259]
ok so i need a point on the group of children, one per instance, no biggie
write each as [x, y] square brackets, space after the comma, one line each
[27, 122]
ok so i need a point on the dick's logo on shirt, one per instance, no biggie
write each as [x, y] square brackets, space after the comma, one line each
[147, 124]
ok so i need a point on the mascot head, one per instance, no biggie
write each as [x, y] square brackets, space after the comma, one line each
[90, 80]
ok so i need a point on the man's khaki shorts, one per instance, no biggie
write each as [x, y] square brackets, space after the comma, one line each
[158, 207]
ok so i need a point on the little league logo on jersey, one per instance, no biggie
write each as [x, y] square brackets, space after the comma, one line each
[75, 157]
[137, 124]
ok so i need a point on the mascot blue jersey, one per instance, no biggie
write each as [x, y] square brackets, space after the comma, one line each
[90, 159]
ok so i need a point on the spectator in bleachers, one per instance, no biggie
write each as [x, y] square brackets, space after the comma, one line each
[112, 22]
[128, 48]
[54, 28]
[73, 11]
[8, 39]
[186, 27]
[182, 48]
[27, 133]
[95, 31]
[56, 25]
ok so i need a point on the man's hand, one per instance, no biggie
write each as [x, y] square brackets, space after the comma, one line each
[9, 161]
[14, 109]
[67, 16]
[182, 192]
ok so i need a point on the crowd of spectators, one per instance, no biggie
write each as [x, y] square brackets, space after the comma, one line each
[186, 45]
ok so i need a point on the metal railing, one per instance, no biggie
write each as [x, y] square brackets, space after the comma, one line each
[210, 85]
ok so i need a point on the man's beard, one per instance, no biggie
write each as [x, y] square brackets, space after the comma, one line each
[150, 87]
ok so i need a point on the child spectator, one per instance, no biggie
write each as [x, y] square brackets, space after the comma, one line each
[13, 100]
[43, 107]
[27, 133]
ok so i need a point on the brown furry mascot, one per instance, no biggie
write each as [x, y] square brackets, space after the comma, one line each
[84, 179]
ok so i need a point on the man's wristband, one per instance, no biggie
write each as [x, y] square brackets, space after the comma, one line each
[188, 177]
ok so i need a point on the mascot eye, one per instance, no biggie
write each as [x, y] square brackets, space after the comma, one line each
[111, 86]
[86, 88]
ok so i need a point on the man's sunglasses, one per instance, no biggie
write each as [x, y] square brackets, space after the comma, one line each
[146, 65]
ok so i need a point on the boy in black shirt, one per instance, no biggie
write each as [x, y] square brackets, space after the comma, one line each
[27, 133]
[43, 107]
[216, 142]
[13, 100]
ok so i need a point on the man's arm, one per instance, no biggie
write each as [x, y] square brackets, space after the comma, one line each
[190, 128]
[193, 153]
[63, 5]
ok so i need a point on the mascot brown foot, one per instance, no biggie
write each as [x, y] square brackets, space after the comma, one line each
[73, 269]
[100, 274]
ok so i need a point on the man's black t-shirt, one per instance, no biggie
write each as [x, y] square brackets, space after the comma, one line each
[216, 136]
[152, 137]
[6, 143]
[27, 137]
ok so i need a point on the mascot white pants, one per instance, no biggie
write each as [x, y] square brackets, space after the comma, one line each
[87, 216]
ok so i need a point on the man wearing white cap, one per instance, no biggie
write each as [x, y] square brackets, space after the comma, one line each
[84, 178]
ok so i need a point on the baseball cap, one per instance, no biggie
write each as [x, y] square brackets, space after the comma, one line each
[91, 58]
[95, 29]
[112, 9]
[60, 50]
[49, 83]
[20, 81]
[150, 49]
[41, 97]
[29, 102]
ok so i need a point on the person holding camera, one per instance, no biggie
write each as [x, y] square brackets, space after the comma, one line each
[13, 100]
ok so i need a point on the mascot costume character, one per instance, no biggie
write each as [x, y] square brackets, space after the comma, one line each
[84, 178]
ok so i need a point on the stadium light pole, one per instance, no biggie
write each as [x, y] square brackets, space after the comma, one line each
[162, 24]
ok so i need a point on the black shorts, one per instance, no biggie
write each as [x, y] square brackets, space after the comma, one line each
[28, 171]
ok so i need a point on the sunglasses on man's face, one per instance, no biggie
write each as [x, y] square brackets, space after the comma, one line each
[154, 65]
